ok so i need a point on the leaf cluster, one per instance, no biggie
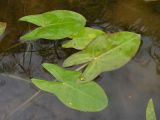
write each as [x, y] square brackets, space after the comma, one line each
[97, 50]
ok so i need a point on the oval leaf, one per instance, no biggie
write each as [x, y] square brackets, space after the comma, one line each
[106, 53]
[53, 25]
[150, 113]
[83, 38]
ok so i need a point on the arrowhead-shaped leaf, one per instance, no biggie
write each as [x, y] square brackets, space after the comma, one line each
[88, 97]
[106, 53]
[53, 25]
[2, 27]
[83, 38]
[150, 113]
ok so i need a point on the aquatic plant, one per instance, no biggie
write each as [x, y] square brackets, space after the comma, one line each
[150, 112]
[98, 52]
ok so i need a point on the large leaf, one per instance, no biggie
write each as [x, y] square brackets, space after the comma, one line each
[106, 53]
[54, 25]
[150, 113]
[88, 97]
[2, 27]
[83, 38]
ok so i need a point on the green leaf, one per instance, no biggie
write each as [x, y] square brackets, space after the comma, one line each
[59, 73]
[3, 26]
[83, 38]
[106, 53]
[150, 113]
[53, 25]
[88, 97]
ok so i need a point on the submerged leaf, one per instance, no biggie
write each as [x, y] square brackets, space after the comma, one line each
[150, 113]
[2, 27]
[83, 38]
[88, 97]
[106, 53]
[53, 25]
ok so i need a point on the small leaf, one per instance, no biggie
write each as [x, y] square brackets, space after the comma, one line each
[150, 113]
[59, 73]
[3, 26]
[88, 97]
[83, 38]
[53, 25]
[106, 53]
[78, 58]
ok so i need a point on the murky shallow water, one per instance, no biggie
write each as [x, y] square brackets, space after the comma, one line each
[128, 88]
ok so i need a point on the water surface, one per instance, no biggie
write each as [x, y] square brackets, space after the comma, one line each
[128, 88]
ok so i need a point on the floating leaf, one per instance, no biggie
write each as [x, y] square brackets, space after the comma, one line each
[88, 97]
[150, 113]
[53, 25]
[2, 27]
[83, 38]
[106, 53]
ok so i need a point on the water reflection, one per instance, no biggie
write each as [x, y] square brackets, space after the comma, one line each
[136, 14]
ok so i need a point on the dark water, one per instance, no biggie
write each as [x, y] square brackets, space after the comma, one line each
[128, 88]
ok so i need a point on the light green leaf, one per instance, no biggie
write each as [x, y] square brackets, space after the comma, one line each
[150, 113]
[59, 73]
[53, 25]
[78, 58]
[3, 26]
[82, 38]
[87, 97]
[106, 53]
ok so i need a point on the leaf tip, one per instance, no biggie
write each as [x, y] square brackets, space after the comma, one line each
[22, 18]
[34, 81]
[64, 45]
[65, 64]
[23, 38]
[45, 64]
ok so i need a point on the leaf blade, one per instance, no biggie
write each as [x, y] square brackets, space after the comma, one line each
[74, 95]
[82, 38]
[77, 58]
[60, 73]
[150, 113]
[53, 25]
[108, 52]
[111, 60]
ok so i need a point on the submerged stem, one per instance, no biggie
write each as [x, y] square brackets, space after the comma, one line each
[23, 105]
[16, 77]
